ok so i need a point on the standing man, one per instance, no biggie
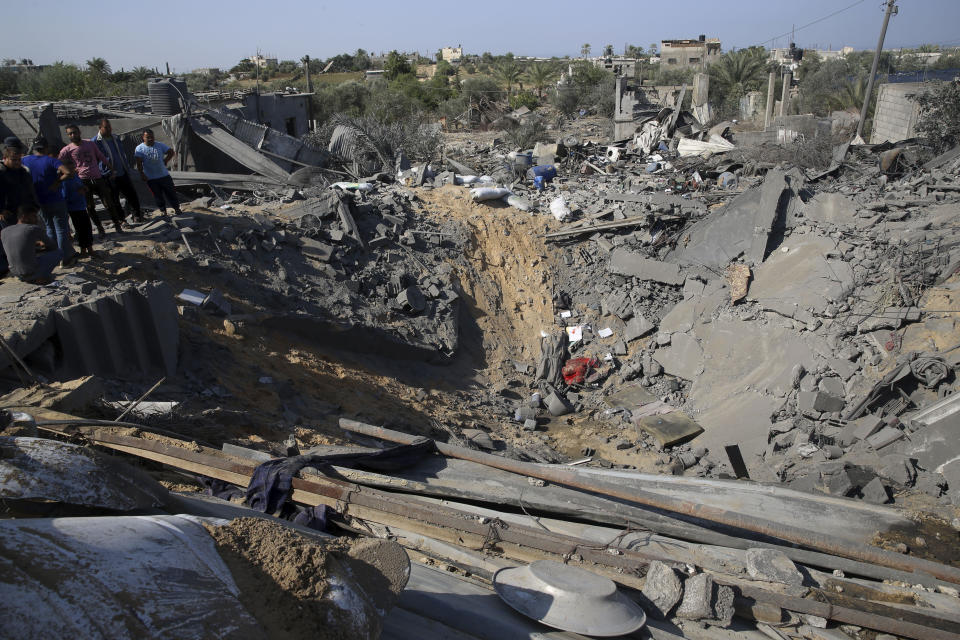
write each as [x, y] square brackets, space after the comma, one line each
[86, 157]
[48, 174]
[152, 158]
[119, 178]
[16, 190]
[16, 185]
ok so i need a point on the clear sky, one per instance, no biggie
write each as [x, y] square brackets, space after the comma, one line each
[202, 33]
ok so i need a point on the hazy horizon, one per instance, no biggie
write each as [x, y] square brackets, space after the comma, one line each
[194, 35]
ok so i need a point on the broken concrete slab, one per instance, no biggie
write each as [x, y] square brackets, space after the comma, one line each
[818, 401]
[832, 208]
[697, 601]
[628, 263]
[875, 492]
[637, 327]
[631, 395]
[669, 428]
[773, 194]
[772, 566]
[662, 589]
[683, 358]
[316, 249]
[799, 274]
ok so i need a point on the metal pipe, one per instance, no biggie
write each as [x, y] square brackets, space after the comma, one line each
[137, 402]
[920, 626]
[790, 533]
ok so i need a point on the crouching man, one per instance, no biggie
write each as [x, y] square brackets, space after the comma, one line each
[20, 243]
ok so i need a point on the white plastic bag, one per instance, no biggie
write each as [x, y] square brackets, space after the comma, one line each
[488, 193]
[560, 210]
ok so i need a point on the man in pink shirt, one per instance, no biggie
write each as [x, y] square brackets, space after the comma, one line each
[86, 156]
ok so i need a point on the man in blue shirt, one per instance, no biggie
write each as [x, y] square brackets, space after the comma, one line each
[48, 174]
[119, 177]
[152, 158]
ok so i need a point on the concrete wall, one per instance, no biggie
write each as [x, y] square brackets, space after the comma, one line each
[278, 110]
[895, 117]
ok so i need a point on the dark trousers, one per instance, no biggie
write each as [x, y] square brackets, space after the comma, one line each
[162, 189]
[101, 188]
[83, 227]
[122, 185]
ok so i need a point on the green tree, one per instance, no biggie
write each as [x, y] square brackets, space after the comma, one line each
[608, 50]
[444, 69]
[98, 66]
[396, 66]
[541, 75]
[507, 73]
[361, 60]
[734, 75]
[585, 50]
[9, 82]
[141, 73]
[59, 81]
[939, 121]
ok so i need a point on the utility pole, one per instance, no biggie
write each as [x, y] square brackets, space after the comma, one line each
[306, 71]
[891, 9]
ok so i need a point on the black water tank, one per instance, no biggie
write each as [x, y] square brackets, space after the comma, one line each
[166, 95]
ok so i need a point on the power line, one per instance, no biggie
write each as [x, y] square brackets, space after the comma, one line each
[818, 20]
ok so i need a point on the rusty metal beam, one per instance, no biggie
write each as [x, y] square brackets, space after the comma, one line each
[624, 565]
[811, 539]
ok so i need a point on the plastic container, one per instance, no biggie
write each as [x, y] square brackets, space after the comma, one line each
[547, 171]
[520, 160]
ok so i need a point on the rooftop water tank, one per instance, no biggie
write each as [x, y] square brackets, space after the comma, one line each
[166, 95]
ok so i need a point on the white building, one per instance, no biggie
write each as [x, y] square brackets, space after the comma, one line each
[452, 54]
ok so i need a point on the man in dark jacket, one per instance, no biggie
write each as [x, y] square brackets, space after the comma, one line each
[16, 185]
[16, 190]
[119, 177]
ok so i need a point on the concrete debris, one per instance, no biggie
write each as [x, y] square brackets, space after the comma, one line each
[772, 566]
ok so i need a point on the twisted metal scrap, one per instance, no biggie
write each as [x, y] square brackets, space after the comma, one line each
[929, 371]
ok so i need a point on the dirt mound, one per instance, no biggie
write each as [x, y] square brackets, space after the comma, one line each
[505, 274]
[302, 588]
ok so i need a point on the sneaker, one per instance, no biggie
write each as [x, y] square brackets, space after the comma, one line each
[43, 280]
[69, 262]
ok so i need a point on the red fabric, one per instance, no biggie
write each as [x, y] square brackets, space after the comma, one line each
[577, 369]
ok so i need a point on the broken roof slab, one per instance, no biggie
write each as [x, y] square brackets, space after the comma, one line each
[800, 274]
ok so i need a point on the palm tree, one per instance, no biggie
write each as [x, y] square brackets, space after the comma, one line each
[98, 66]
[507, 72]
[585, 50]
[850, 95]
[738, 72]
[608, 51]
[541, 75]
[141, 73]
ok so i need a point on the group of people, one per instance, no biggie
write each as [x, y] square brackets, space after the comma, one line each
[43, 191]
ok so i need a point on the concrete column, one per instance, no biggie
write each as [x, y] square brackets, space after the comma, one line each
[768, 116]
[785, 98]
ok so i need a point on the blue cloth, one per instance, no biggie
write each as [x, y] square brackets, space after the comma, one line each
[56, 220]
[111, 148]
[272, 481]
[46, 263]
[43, 172]
[70, 188]
[152, 157]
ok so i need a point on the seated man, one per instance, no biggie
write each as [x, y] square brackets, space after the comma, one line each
[20, 244]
